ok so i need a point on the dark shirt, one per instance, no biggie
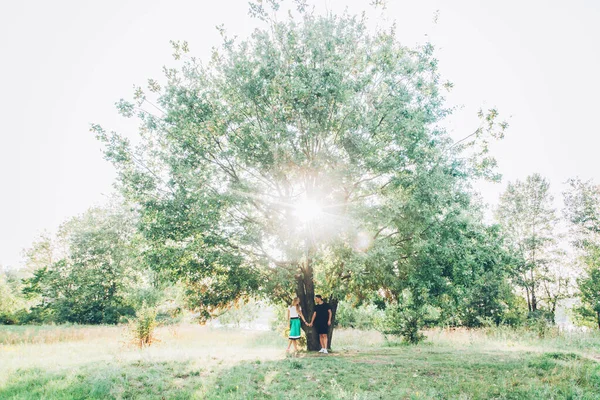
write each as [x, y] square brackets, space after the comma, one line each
[322, 314]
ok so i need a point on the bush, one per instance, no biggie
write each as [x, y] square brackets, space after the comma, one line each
[406, 322]
[408, 317]
[8, 319]
[36, 315]
[540, 323]
[516, 312]
[142, 328]
[583, 315]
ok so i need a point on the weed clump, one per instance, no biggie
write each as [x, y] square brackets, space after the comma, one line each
[142, 328]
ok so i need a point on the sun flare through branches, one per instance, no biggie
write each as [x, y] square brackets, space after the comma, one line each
[308, 210]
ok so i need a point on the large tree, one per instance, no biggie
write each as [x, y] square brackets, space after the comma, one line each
[528, 218]
[307, 157]
[582, 210]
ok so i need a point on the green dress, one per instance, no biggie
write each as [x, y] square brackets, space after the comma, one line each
[294, 324]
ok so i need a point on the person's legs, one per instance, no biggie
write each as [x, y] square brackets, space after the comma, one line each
[295, 345]
[323, 340]
[289, 345]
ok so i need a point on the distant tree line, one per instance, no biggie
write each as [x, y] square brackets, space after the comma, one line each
[90, 272]
[93, 271]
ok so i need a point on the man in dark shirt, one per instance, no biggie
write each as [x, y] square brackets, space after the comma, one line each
[322, 320]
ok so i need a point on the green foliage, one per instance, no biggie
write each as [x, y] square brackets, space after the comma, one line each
[406, 319]
[241, 312]
[97, 270]
[584, 316]
[465, 272]
[516, 311]
[582, 209]
[8, 297]
[589, 289]
[364, 316]
[12, 301]
[7, 318]
[169, 315]
[151, 296]
[142, 328]
[528, 220]
[279, 322]
[540, 322]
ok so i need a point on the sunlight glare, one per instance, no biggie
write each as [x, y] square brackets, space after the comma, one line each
[308, 210]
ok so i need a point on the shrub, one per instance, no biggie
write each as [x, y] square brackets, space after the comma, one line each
[583, 315]
[142, 328]
[404, 321]
[8, 319]
[36, 315]
[540, 323]
[516, 312]
[408, 317]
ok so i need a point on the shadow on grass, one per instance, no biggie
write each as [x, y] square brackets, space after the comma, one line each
[379, 374]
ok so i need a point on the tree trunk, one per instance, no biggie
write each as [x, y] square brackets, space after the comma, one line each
[305, 290]
[528, 298]
[533, 299]
[553, 312]
[333, 302]
[598, 318]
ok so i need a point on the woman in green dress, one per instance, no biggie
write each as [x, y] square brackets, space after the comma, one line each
[294, 314]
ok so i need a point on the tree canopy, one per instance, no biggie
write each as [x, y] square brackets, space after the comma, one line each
[528, 218]
[308, 156]
[86, 273]
[582, 210]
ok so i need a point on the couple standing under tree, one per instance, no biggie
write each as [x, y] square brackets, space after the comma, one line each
[321, 318]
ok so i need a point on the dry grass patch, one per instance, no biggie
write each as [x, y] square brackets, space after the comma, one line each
[49, 334]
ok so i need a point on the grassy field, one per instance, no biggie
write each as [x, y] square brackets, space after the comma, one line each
[200, 362]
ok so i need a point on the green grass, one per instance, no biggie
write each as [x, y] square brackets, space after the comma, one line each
[199, 362]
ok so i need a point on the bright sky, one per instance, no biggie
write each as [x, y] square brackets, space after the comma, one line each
[65, 64]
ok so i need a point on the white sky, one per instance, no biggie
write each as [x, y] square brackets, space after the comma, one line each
[65, 63]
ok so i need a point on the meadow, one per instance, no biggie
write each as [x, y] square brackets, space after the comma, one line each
[200, 362]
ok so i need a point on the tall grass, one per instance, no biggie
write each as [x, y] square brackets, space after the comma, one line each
[49, 334]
